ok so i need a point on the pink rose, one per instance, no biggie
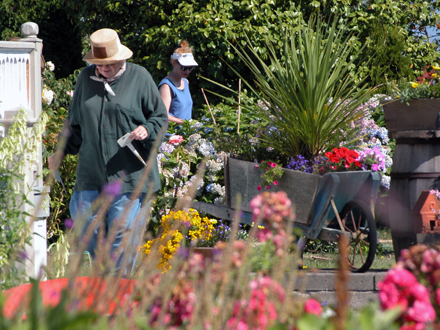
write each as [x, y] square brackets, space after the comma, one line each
[275, 183]
[259, 188]
[273, 165]
[313, 307]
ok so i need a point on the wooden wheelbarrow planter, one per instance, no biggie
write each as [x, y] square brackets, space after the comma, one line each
[317, 200]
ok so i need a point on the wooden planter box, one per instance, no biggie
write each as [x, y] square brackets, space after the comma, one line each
[242, 180]
[416, 120]
[416, 163]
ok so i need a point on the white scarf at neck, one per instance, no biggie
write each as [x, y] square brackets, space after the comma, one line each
[106, 81]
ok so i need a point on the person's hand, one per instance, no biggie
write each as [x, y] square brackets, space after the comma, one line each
[140, 133]
[55, 160]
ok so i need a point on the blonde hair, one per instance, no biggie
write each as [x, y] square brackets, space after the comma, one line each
[183, 48]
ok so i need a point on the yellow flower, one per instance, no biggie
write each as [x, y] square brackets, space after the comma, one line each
[434, 75]
[435, 67]
[414, 85]
[173, 224]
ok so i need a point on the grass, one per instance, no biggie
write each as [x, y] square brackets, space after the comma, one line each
[325, 255]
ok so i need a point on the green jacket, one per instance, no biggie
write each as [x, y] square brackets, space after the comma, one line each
[98, 119]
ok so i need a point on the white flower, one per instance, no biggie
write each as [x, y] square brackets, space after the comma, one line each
[212, 166]
[219, 200]
[184, 171]
[50, 65]
[386, 180]
[47, 96]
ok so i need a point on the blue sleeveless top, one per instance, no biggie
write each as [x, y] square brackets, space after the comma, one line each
[181, 102]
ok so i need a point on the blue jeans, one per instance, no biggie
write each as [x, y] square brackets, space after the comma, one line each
[81, 203]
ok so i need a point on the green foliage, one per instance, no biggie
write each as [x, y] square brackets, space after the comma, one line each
[153, 29]
[61, 40]
[389, 57]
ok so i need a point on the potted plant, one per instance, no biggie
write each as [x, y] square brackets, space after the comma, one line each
[412, 111]
[310, 104]
[412, 118]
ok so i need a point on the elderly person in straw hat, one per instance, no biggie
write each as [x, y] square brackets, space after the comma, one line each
[112, 98]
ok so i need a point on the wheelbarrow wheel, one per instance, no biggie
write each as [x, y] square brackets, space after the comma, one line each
[357, 219]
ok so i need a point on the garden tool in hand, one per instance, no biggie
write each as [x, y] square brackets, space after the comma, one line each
[125, 141]
[58, 178]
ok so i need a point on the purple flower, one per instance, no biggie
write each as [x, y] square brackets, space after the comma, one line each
[113, 188]
[22, 255]
[68, 223]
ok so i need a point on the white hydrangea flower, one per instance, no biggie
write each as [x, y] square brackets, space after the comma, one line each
[385, 182]
[184, 171]
[211, 177]
[219, 200]
[194, 137]
[220, 157]
[212, 166]
[166, 147]
[206, 148]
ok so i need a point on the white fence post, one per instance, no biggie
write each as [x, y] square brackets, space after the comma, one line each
[21, 87]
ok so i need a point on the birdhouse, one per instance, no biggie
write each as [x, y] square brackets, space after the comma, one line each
[425, 213]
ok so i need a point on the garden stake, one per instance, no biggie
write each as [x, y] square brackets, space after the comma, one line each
[209, 107]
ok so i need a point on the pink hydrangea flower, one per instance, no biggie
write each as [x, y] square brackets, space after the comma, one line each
[175, 139]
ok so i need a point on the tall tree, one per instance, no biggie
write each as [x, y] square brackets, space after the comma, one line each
[61, 40]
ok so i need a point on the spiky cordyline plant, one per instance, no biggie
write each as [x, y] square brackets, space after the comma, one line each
[309, 90]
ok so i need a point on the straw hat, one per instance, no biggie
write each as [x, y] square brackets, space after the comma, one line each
[106, 48]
